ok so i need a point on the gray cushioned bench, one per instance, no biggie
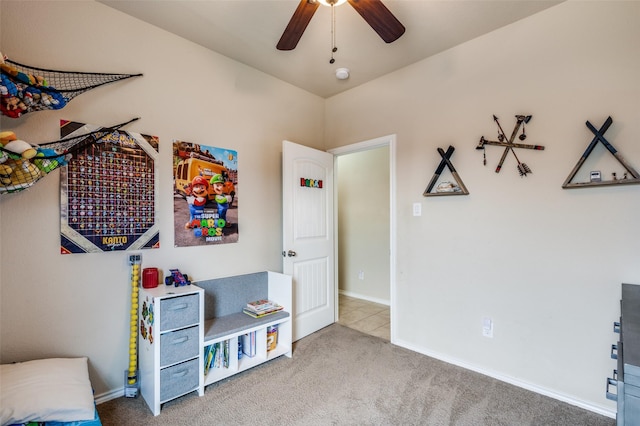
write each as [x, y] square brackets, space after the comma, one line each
[224, 299]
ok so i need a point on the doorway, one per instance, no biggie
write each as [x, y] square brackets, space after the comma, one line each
[365, 235]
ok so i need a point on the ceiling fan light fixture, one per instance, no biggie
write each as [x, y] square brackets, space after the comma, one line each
[374, 12]
[342, 73]
[331, 2]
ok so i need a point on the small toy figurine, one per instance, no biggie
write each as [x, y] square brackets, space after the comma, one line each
[177, 278]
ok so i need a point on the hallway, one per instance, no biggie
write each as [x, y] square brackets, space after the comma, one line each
[367, 317]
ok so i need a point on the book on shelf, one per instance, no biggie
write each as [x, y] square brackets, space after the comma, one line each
[261, 314]
[208, 359]
[259, 304]
[209, 354]
[272, 337]
[263, 305]
[249, 344]
[216, 355]
[227, 352]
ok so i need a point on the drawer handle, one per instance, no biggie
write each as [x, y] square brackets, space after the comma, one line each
[180, 340]
[610, 395]
[181, 373]
[616, 327]
[179, 307]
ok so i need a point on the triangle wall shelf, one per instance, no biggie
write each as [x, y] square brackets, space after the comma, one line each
[445, 162]
[599, 137]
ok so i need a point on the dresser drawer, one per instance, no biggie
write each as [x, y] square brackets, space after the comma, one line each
[178, 312]
[179, 345]
[632, 375]
[179, 379]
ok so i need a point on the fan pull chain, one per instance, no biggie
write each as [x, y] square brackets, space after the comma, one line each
[334, 49]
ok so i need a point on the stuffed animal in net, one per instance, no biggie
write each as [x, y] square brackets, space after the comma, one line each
[17, 172]
[25, 88]
[23, 164]
[15, 147]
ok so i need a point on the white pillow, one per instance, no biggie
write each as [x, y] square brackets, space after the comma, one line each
[55, 389]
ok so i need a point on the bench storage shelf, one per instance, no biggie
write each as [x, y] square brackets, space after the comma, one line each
[168, 368]
[281, 320]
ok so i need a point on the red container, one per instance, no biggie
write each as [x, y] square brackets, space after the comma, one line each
[150, 277]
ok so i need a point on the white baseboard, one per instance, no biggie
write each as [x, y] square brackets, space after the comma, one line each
[364, 297]
[513, 381]
[108, 396]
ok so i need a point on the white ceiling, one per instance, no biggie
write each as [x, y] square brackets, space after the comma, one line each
[248, 31]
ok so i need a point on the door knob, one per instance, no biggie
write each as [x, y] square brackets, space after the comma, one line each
[291, 253]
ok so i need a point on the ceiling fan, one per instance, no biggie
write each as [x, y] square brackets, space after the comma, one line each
[374, 12]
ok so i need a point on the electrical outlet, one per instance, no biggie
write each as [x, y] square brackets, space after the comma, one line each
[487, 327]
[417, 209]
[361, 275]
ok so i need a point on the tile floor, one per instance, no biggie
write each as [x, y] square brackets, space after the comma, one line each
[362, 315]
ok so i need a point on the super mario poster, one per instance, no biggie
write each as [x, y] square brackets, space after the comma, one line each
[205, 194]
[108, 198]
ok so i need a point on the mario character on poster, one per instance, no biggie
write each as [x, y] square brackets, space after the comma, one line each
[197, 200]
[205, 182]
[221, 199]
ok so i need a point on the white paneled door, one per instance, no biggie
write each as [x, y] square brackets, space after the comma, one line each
[308, 234]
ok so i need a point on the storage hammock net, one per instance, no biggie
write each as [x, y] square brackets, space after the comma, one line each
[26, 89]
[23, 164]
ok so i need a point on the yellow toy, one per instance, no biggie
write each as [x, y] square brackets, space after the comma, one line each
[13, 146]
[16, 171]
[16, 175]
[5, 175]
[131, 384]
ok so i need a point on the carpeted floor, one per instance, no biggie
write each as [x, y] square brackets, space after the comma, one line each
[340, 376]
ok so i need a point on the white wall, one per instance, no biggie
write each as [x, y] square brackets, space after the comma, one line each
[72, 305]
[363, 224]
[545, 263]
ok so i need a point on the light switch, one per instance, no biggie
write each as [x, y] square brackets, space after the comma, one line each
[487, 327]
[417, 209]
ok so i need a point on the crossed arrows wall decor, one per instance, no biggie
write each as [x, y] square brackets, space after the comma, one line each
[509, 144]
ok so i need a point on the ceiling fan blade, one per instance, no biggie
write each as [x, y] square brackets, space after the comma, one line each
[298, 23]
[379, 18]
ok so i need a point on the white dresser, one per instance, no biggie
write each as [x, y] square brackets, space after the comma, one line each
[170, 343]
